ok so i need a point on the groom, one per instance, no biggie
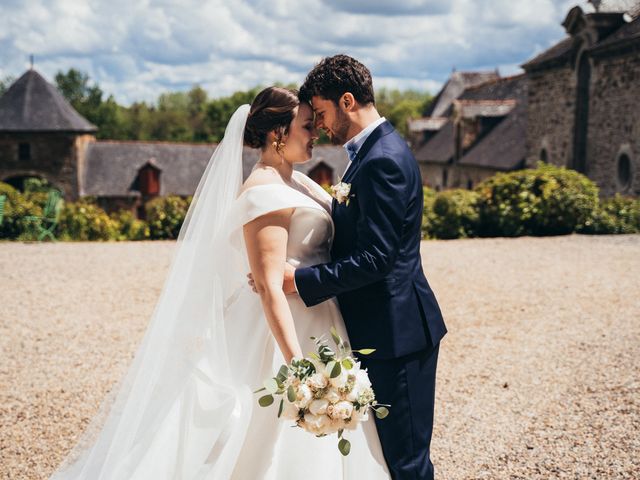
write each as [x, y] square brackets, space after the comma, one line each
[376, 272]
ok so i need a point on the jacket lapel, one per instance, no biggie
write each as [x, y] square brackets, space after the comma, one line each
[380, 131]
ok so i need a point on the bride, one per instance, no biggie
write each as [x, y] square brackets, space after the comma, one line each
[185, 409]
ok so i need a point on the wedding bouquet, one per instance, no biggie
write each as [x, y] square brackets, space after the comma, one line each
[325, 393]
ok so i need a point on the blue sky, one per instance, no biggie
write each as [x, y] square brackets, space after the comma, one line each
[137, 49]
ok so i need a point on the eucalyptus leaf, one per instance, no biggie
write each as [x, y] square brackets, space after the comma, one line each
[344, 446]
[291, 394]
[281, 407]
[336, 370]
[282, 373]
[259, 390]
[265, 401]
[365, 351]
[271, 385]
[347, 364]
[336, 337]
[382, 412]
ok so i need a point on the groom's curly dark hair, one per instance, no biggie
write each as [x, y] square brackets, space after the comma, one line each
[335, 76]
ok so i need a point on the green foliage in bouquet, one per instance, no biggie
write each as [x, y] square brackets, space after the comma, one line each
[547, 200]
[614, 215]
[165, 216]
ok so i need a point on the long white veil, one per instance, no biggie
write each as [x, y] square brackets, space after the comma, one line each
[184, 352]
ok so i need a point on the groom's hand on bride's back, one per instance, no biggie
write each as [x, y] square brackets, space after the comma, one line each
[288, 283]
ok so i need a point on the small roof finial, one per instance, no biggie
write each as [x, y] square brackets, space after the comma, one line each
[31, 60]
[596, 4]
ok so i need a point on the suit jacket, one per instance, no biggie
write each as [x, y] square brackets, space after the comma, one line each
[376, 270]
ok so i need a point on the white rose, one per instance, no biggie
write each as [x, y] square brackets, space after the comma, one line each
[303, 396]
[317, 381]
[339, 381]
[362, 383]
[317, 424]
[290, 411]
[362, 379]
[319, 407]
[332, 395]
[341, 410]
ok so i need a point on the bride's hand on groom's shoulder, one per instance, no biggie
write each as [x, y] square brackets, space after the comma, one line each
[288, 284]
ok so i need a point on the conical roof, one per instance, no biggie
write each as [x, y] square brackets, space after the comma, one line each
[34, 105]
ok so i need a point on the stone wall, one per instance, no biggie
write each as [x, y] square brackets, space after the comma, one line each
[614, 121]
[53, 156]
[551, 113]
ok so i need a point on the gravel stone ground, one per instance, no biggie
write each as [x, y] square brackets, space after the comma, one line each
[539, 376]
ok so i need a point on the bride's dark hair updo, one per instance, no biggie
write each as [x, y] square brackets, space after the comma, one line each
[272, 109]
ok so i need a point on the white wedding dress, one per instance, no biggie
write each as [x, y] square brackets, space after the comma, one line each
[185, 410]
[272, 449]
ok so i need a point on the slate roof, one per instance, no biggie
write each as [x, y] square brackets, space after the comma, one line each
[440, 148]
[629, 32]
[112, 166]
[485, 108]
[563, 50]
[558, 53]
[457, 83]
[32, 104]
[504, 88]
[503, 147]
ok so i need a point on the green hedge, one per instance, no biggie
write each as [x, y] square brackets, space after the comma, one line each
[130, 228]
[614, 215]
[452, 214]
[547, 200]
[16, 207]
[86, 221]
[165, 216]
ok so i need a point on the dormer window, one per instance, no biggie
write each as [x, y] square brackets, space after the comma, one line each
[148, 181]
[24, 152]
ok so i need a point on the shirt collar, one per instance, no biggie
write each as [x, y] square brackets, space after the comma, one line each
[357, 141]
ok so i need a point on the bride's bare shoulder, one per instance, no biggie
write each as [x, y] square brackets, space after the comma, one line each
[262, 176]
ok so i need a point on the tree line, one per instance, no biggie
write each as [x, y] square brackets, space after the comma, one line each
[192, 116]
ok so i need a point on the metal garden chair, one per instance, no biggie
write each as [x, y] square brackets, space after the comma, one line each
[47, 222]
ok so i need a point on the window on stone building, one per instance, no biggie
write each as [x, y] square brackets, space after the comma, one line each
[148, 180]
[544, 156]
[445, 175]
[469, 184]
[24, 152]
[624, 171]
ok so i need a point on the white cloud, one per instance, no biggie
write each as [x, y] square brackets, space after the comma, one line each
[137, 50]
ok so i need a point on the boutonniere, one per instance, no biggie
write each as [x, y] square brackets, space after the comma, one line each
[340, 192]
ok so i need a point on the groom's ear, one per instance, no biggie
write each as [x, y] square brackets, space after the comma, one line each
[347, 102]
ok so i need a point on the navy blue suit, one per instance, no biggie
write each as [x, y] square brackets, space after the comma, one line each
[386, 302]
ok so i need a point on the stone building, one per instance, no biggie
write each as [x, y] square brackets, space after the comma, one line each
[584, 107]
[41, 135]
[483, 132]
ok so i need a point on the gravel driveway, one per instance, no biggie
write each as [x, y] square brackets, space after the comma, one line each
[539, 376]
